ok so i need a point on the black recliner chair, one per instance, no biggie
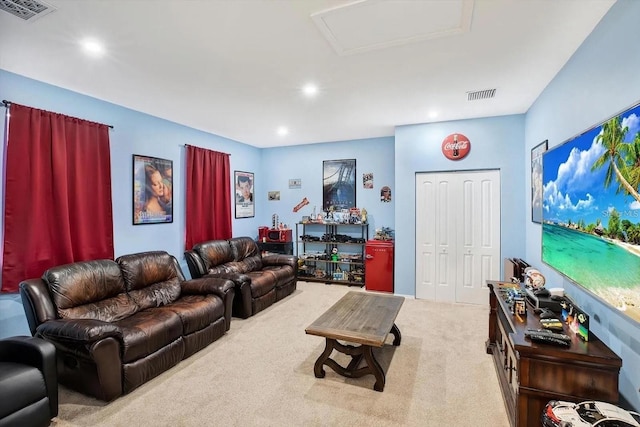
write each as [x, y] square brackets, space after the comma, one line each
[28, 382]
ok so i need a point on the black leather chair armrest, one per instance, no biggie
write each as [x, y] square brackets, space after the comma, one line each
[80, 331]
[26, 350]
[38, 353]
[280, 259]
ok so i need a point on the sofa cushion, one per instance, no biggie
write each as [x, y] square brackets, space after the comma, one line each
[243, 247]
[150, 277]
[148, 331]
[89, 290]
[262, 282]
[214, 252]
[252, 263]
[197, 311]
[282, 273]
[107, 310]
[157, 295]
[146, 268]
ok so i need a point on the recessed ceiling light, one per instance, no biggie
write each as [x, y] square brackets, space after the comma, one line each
[310, 90]
[433, 114]
[282, 131]
[93, 47]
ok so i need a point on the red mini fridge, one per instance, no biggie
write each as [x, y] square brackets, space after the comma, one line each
[379, 265]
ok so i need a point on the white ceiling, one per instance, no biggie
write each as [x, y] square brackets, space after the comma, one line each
[235, 68]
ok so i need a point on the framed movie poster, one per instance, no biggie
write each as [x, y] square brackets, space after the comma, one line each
[536, 181]
[152, 190]
[245, 205]
[338, 184]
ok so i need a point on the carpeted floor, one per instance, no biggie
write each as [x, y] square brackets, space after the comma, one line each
[261, 374]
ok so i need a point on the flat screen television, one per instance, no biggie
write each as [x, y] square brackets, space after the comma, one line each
[591, 210]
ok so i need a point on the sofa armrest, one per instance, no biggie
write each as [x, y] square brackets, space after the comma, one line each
[223, 288]
[196, 264]
[208, 285]
[79, 331]
[36, 302]
[242, 298]
[280, 259]
[239, 279]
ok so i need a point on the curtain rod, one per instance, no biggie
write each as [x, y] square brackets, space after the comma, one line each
[195, 146]
[7, 104]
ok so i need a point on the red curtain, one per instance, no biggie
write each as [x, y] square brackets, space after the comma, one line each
[58, 194]
[208, 198]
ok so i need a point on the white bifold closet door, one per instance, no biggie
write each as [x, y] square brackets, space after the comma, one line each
[457, 235]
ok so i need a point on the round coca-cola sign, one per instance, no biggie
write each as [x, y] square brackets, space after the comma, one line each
[456, 146]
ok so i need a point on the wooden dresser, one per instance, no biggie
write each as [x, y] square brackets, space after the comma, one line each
[531, 374]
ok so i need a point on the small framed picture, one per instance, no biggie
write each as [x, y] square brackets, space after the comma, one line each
[274, 195]
[367, 180]
[245, 205]
[295, 183]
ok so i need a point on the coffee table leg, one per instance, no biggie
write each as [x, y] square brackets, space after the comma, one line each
[396, 334]
[375, 368]
[317, 368]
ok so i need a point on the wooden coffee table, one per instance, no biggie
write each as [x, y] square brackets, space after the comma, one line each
[362, 318]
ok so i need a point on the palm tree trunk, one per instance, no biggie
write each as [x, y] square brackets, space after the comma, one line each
[626, 184]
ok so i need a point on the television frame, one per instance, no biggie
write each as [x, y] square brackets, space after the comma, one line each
[590, 217]
[536, 180]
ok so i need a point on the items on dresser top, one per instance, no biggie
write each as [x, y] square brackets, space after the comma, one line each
[547, 337]
[552, 324]
[533, 372]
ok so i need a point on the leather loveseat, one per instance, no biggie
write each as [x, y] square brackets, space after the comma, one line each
[117, 324]
[260, 280]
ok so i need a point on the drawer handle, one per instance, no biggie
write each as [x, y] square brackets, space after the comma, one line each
[507, 368]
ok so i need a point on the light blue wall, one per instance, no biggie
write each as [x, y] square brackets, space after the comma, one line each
[305, 162]
[137, 133]
[601, 79]
[496, 143]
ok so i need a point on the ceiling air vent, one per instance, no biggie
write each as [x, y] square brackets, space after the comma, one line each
[481, 94]
[27, 10]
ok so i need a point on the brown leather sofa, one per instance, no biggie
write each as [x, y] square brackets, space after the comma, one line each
[260, 280]
[117, 324]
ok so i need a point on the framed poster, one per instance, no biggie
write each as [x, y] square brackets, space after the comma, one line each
[536, 181]
[338, 184]
[245, 205]
[152, 190]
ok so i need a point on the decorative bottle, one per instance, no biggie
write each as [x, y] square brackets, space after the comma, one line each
[456, 153]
